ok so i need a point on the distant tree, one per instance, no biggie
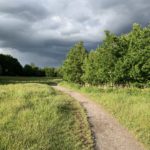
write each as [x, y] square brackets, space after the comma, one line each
[28, 71]
[32, 65]
[10, 65]
[58, 72]
[32, 70]
[1, 71]
[72, 67]
[50, 72]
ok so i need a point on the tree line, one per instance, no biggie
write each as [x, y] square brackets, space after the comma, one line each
[10, 66]
[123, 59]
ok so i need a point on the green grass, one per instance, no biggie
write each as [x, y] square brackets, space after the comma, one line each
[131, 106]
[45, 80]
[35, 117]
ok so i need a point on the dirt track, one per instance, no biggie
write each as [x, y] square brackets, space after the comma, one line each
[109, 134]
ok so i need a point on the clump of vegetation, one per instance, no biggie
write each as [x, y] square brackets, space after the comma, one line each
[119, 60]
[10, 66]
[33, 71]
[52, 72]
[72, 68]
[35, 116]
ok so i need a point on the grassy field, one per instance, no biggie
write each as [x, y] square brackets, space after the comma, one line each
[45, 80]
[35, 117]
[131, 106]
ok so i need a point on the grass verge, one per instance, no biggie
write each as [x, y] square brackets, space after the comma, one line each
[36, 117]
[131, 106]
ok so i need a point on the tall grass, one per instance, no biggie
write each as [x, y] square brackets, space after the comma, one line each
[131, 106]
[36, 117]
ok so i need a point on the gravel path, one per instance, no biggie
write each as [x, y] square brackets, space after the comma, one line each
[109, 134]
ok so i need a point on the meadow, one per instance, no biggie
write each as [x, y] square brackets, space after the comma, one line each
[131, 107]
[33, 116]
[19, 79]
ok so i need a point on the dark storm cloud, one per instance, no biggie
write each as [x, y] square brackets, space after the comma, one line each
[43, 31]
[30, 10]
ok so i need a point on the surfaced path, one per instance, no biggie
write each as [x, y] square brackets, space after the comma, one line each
[109, 134]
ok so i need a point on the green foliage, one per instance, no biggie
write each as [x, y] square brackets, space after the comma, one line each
[52, 72]
[10, 66]
[32, 70]
[123, 59]
[91, 64]
[72, 67]
[100, 65]
[135, 65]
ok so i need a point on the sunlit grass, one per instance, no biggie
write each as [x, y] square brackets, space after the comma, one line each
[36, 117]
[131, 106]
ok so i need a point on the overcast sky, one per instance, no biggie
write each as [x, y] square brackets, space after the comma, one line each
[42, 31]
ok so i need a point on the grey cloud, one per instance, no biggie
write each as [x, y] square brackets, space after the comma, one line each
[43, 31]
[29, 10]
